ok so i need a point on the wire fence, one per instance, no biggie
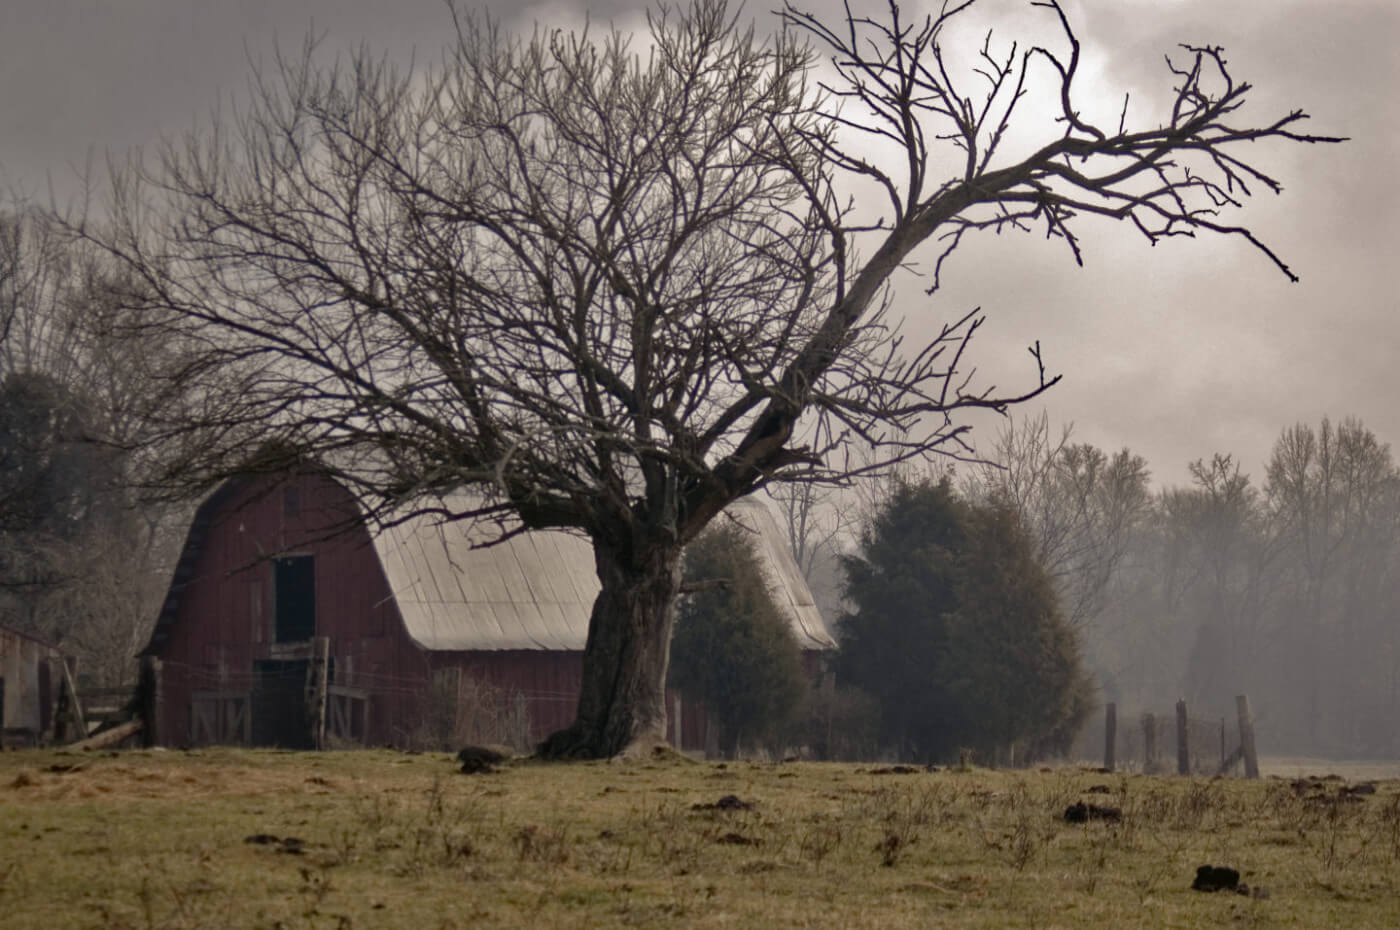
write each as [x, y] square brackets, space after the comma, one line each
[440, 710]
[1150, 741]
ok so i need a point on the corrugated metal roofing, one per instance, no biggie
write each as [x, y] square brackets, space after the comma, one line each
[785, 579]
[536, 590]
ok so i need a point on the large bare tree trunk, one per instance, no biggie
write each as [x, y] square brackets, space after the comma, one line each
[622, 705]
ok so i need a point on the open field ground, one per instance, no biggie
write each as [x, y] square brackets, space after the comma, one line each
[1297, 767]
[235, 838]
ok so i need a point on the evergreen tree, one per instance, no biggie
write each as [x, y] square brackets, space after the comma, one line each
[733, 649]
[956, 630]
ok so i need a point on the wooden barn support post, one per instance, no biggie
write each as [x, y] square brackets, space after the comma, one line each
[317, 680]
[829, 690]
[68, 721]
[524, 720]
[1110, 735]
[1251, 759]
[1183, 745]
[148, 690]
[1149, 743]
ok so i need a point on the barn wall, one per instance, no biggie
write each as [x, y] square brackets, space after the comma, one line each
[221, 621]
[528, 694]
[532, 693]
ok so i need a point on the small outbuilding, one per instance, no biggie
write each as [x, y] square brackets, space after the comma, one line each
[289, 622]
[27, 690]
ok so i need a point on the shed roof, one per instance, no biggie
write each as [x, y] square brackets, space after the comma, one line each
[536, 590]
[12, 632]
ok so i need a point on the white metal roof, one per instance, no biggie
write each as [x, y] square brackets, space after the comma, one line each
[536, 590]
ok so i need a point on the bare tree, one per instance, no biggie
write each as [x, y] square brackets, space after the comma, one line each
[82, 559]
[620, 289]
[1079, 504]
[1331, 491]
[1217, 576]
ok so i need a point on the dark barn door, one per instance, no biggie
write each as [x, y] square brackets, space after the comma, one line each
[279, 704]
[295, 598]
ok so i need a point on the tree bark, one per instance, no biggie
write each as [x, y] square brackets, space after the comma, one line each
[622, 704]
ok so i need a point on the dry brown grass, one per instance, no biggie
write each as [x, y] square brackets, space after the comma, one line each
[381, 839]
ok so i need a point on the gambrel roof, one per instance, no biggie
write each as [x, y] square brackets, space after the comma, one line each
[533, 591]
[536, 590]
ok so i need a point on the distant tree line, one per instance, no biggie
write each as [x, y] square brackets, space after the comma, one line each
[1284, 585]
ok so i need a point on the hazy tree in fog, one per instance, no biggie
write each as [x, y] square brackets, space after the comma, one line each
[1079, 504]
[80, 557]
[1332, 490]
[1218, 579]
[620, 288]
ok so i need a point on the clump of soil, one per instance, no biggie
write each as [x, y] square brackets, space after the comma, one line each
[480, 760]
[730, 802]
[737, 839]
[1083, 813]
[292, 845]
[1211, 878]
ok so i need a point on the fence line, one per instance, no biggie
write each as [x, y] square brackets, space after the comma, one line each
[1202, 745]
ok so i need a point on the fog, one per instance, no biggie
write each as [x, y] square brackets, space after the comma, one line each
[1270, 569]
[1282, 587]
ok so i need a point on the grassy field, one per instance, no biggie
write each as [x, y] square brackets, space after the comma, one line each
[232, 838]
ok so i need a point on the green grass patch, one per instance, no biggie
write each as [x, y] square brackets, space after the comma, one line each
[260, 839]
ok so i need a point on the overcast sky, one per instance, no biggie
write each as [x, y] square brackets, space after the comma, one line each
[1176, 352]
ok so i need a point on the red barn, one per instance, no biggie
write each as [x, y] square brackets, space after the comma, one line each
[430, 641]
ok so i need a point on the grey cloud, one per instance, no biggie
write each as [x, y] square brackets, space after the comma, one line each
[1178, 352]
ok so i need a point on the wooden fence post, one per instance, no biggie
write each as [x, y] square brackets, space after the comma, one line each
[148, 688]
[317, 681]
[1183, 744]
[1251, 759]
[1149, 744]
[1110, 734]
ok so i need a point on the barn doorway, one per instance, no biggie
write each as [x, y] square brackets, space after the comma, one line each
[294, 598]
[279, 703]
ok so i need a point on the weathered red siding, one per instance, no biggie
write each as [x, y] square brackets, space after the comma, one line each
[221, 621]
[218, 621]
[548, 682]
